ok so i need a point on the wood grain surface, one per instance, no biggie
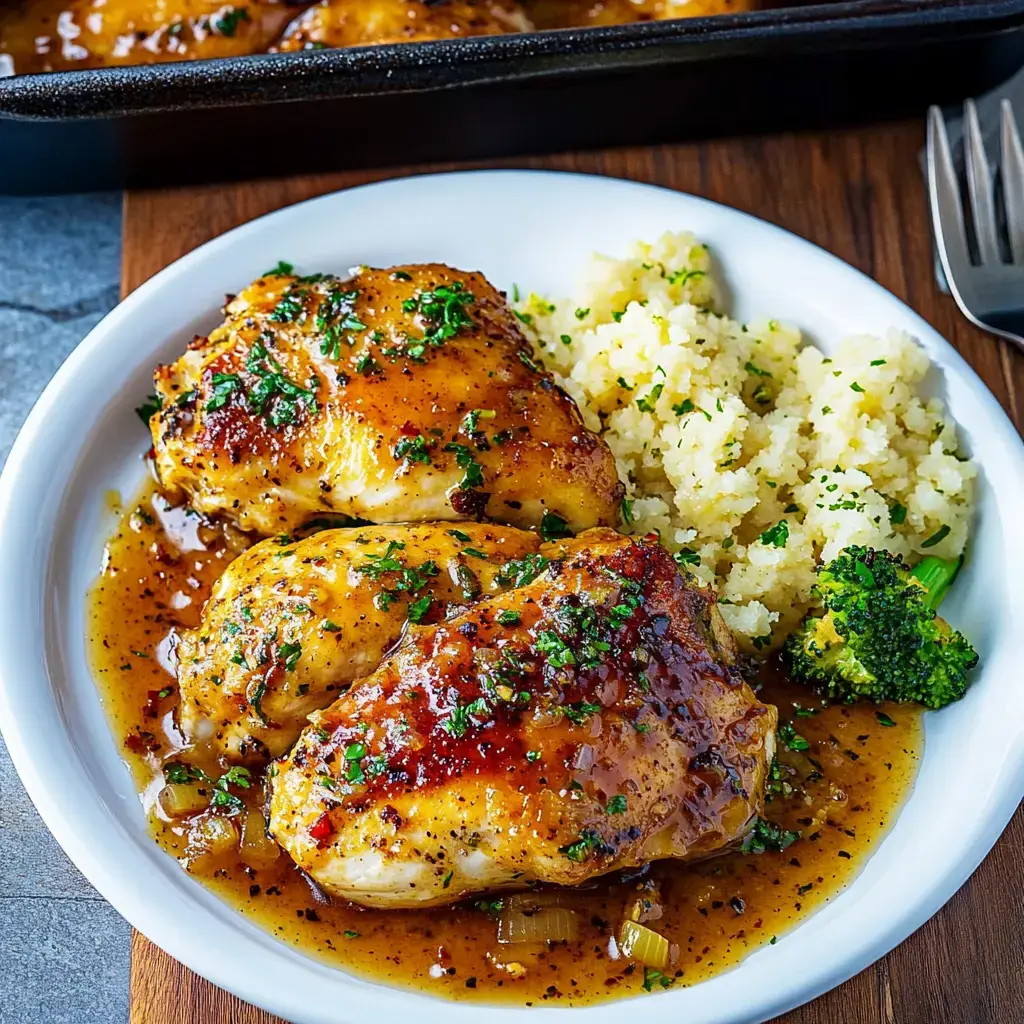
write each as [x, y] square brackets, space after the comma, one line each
[859, 194]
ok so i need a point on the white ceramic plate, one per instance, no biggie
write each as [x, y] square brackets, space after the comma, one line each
[536, 229]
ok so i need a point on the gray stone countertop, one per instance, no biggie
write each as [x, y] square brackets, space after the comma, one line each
[63, 949]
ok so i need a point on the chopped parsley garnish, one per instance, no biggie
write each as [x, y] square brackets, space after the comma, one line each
[447, 879]
[582, 314]
[686, 556]
[765, 836]
[366, 365]
[354, 754]
[553, 526]
[521, 571]
[470, 422]
[178, 773]
[222, 385]
[289, 307]
[475, 554]
[776, 536]
[579, 851]
[460, 535]
[460, 717]
[684, 407]
[256, 700]
[419, 608]
[334, 316]
[617, 805]
[507, 617]
[856, 387]
[468, 581]
[406, 580]
[756, 370]
[682, 276]
[274, 396]
[149, 408]
[557, 652]
[289, 654]
[791, 738]
[884, 719]
[533, 756]
[897, 514]
[653, 977]
[412, 449]
[444, 311]
[282, 269]
[627, 511]
[940, 534]
[227, 23]
[377, 565]
[646, 404]
[579, 712]
[466, 460]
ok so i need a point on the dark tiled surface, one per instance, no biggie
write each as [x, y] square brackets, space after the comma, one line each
[63, 950]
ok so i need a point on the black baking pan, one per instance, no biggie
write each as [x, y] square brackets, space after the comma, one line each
[265, 115]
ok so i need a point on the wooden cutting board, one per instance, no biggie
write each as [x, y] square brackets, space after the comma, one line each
[860, 195]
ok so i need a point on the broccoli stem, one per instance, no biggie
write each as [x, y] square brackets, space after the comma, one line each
[936, 575]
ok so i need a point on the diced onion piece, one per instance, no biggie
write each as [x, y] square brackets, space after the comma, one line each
[547, 924]
[212, 836]
[637, 942]
[256, 848]
[530, 901]
[178, 800]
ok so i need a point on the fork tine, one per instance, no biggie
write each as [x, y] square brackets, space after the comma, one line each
[979, 186]
[1012, 170]
[944, 194]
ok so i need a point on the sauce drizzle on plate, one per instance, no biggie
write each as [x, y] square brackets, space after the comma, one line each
[841, 794]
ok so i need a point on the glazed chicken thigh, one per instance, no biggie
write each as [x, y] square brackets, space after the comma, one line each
[590, 719]
[290, 623]
[404, 395]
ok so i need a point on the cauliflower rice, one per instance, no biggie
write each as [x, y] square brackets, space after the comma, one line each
[754, 456]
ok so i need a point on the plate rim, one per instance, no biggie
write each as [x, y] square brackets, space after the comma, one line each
[175, 938]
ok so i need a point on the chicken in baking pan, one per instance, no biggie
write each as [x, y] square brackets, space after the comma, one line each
[589, 720]
[291, 623]
[61, 35]
[401, 395]
[547, 14]
[336, 23]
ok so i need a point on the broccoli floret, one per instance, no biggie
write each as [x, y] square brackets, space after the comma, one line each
[877, 636]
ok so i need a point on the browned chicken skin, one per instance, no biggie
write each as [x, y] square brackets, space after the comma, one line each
[590, 720]
[363, 22]
[402, 395]
[291, 623]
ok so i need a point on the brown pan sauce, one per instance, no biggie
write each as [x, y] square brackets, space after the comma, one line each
[841, 794]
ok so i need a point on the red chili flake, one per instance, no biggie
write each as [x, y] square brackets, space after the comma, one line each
[321, 829]
[135, 743]
[151, 709]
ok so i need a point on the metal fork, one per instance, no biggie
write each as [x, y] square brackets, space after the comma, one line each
[983, 258]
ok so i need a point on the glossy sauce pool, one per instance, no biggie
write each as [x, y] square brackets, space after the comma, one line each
[841, 793]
